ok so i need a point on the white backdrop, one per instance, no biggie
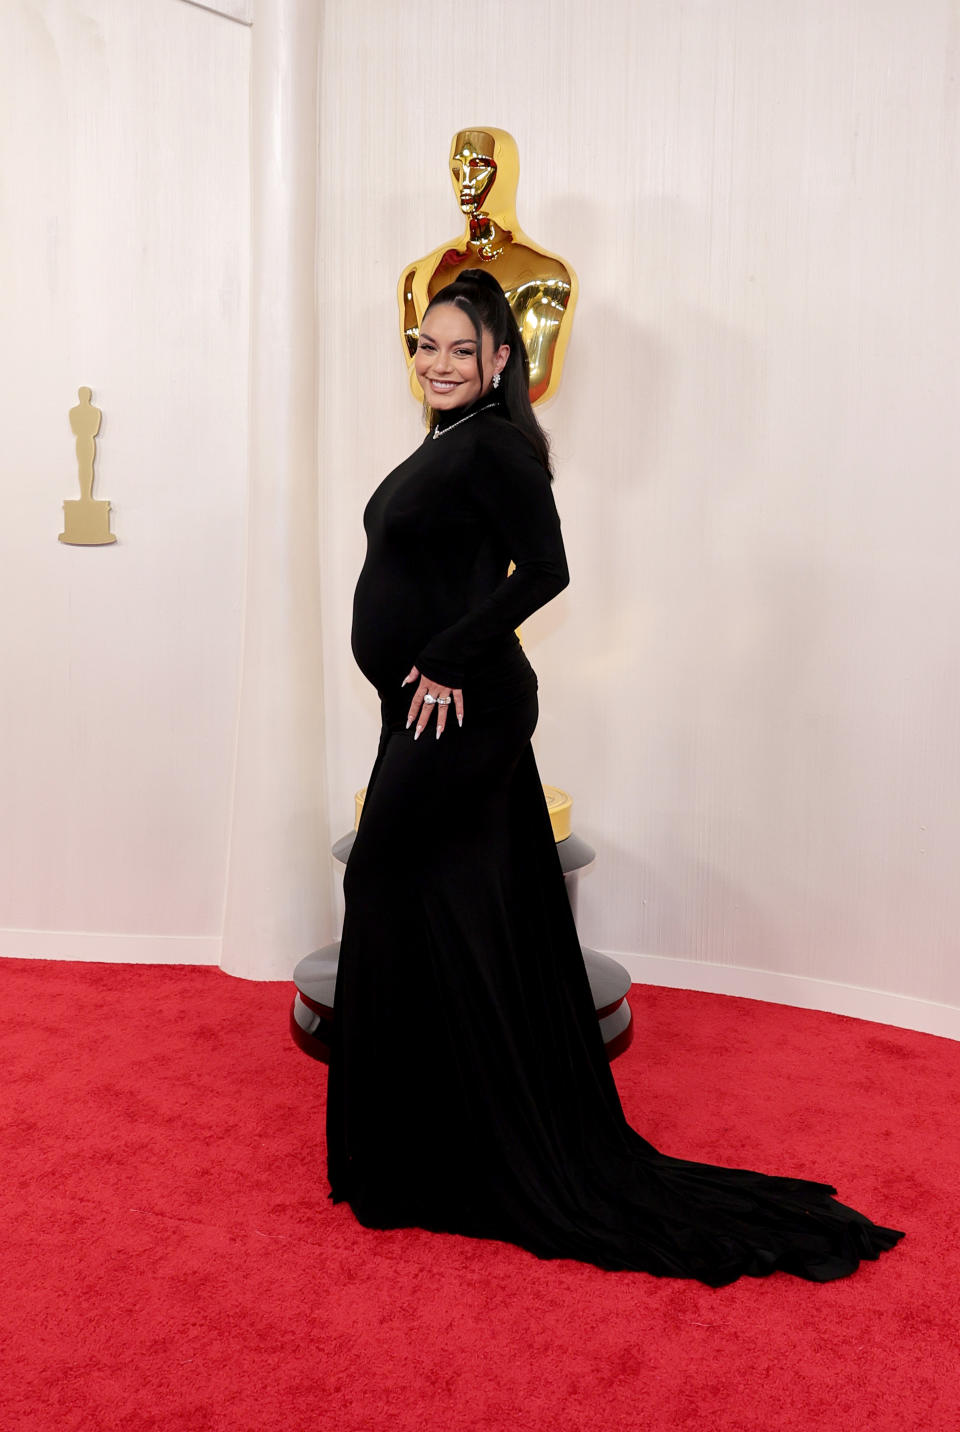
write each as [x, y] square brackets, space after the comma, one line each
[751, 687]
[124, 260]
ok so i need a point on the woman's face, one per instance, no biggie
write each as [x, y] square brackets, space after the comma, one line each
[446, 358]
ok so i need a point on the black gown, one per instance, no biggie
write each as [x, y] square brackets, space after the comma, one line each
[469, 1088]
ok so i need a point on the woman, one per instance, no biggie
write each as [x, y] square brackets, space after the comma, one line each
[469, 1087]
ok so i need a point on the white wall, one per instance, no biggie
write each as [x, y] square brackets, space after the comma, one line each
[123, 220]
[752, 686]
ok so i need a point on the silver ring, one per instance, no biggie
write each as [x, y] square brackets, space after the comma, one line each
[443, 700]
[429, 700]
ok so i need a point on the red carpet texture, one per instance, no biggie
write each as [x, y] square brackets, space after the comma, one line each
[170, 1259]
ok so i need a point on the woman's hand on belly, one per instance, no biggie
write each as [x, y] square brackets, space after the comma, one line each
[430, 695]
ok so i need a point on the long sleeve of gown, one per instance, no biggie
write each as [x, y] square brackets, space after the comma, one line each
[513, 490]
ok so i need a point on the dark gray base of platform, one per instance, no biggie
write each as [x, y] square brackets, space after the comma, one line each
[316, 976]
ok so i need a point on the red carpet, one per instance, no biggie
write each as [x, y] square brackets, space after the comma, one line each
[170, 1261]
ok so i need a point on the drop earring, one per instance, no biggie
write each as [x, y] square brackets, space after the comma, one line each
[495, 381]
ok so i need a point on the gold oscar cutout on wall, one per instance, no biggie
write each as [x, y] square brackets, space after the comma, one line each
[86, 523]
[540, 286]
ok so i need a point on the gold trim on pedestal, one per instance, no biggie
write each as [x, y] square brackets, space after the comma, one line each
[559, 806]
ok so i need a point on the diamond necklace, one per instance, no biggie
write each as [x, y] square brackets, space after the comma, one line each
[438, 431]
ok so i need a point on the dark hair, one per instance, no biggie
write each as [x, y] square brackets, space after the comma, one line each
[485, 304]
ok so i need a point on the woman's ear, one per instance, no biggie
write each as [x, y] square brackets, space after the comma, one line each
[500, 357]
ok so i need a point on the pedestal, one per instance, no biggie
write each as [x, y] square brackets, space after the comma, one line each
[311, 1016]
[86, 524]
[315, 977]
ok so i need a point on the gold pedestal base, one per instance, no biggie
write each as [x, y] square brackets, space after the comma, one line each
[86, 524]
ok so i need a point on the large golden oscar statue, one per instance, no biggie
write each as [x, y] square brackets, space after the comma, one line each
[540, 286]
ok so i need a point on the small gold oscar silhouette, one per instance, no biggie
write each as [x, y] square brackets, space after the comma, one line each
[86, 523]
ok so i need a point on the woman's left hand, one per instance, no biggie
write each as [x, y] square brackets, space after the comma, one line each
[427, 696]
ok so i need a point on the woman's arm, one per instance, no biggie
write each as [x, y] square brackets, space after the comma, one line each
[513, 490]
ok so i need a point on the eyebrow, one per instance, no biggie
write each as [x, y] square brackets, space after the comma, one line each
[457, 342]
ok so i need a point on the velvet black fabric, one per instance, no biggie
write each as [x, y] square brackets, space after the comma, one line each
[469, 1088]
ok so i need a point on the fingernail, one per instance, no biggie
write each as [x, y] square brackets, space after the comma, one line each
[438, 733]
[416, 734]
[459, 720]
[404, 681]
[408, 725]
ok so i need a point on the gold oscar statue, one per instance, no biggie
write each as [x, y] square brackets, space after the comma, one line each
[86, 523]
[540, 286]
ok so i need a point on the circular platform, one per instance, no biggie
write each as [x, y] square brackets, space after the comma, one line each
[315, 977]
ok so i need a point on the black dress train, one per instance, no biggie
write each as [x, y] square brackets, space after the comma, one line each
[469, 1088]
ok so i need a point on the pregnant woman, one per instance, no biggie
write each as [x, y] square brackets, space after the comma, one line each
[469, 1087]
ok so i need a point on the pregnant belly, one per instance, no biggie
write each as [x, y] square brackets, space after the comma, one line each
[392, 624]
[389, 628]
